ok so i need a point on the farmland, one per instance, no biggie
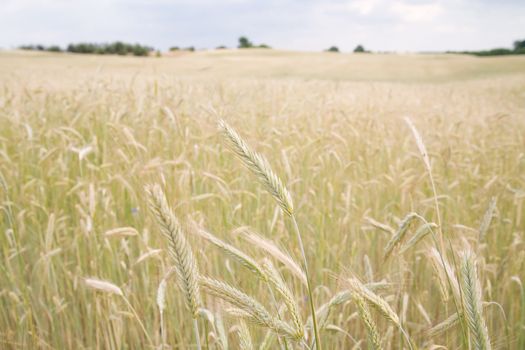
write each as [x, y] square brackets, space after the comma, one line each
[81, 137]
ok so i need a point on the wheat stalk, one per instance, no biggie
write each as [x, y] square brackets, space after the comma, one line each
[261, 168]
[426, 159]
[111, 288]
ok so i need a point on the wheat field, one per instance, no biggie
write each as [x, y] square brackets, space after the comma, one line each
[128, 220]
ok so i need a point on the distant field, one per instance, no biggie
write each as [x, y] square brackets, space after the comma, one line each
[81, 137]
[253, 64]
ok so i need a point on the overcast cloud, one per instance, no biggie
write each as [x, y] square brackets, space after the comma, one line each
[401, 25]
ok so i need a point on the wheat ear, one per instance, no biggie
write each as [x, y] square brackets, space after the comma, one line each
[110, 288]
[444, 325]
[374, 300]
[259, 166]
[246, 307]
[289, 300]
[379, 304]
[233, 252]
[180, 251]
[421, 232]
[272, 249]
[445, 274]
[397, 238]
[487, 219]
[472, 305]
[374, 340]
[245, 338]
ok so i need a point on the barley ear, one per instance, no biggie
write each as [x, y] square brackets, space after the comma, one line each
[259, 166]
[178, 247]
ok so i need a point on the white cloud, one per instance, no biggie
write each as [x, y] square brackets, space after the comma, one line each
[416, 12]
[363, 7]
[405, 25]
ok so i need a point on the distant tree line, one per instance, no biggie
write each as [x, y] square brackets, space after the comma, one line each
[52, 48]
[176, 48]
[358, 49]
[245, 43]
[518, 49]
[116, 48]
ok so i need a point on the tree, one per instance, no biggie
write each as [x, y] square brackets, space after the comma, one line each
[244, 43]
[359, 48]
[519, 44]
[54, 48]
[333, 49]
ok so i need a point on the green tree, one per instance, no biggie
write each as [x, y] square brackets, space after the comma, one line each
[54, 48]
[519, 44]
[244, 43]
[359, 48]
[333, 49]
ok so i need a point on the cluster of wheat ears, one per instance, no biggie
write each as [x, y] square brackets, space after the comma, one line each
[283, 318]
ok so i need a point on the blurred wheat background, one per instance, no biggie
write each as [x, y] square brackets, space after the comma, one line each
[81, 137]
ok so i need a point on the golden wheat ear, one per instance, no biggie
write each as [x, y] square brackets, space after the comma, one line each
[259, 166]
[374, 339]
[178, 248]
[246, 307]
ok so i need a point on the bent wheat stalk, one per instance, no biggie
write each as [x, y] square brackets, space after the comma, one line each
[246, 307]
[110, 288]
[273, 184]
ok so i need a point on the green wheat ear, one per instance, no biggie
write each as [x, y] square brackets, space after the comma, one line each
[472, 304]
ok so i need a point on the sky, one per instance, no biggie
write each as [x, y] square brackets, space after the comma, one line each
[311, 25]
